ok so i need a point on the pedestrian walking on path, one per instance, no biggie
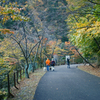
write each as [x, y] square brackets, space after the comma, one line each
[47, 64]
[68, 63]
[52, 63]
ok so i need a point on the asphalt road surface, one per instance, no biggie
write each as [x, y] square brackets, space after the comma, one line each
[68, 84]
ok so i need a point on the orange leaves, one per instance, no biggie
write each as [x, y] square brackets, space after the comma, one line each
[11, 61]
[52, 42]
[67, 43]
[46, 39]
[4, 31]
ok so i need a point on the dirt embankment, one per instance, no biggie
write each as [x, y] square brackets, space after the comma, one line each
[91, 70]
[27, 87]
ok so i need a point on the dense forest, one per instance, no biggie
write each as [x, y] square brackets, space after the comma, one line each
[33, 30]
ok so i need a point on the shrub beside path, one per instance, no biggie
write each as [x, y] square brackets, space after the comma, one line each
[27, 87]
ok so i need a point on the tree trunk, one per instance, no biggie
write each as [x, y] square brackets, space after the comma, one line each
[53, 50]
[27, 75]
[41, 63]
[35, 57]
[98, 60]
[26, 69]
[83, 58]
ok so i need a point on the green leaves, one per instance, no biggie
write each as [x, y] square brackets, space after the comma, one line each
[83, 34]
[97, 12]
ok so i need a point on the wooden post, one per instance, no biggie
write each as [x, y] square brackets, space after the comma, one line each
[20, 74]
[15, 81]
[9, 94]
[23, 71]
[17, 77]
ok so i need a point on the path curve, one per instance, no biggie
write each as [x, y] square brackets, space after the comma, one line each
[68, 84]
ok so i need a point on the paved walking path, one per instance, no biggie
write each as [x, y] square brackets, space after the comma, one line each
[68, 84]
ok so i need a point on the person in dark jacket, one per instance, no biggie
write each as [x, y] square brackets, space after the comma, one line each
[68, 63]
[52, 63]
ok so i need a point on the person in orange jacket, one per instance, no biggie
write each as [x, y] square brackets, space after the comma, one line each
[47, 64]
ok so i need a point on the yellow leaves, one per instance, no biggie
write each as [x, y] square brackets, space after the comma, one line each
[59, 41]
[94, 29]
[3, 1]
[96, 33]
[82, 30]
[88, 35]
[86, 25]
[26, 5]
[93, 22]
[13, 17]
[10, 3]
[3, 92]
[81, 25]
[97, 23]
[75, 4]
[16, 3]
[5, 79]
[8, 10]
[89, 29]
[19, 18]
[1, 61]
[38, 30]
[8, 46]
[5, 19]
[12, 11]
[40, 1]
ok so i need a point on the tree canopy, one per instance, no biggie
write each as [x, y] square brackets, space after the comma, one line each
[32, 30]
